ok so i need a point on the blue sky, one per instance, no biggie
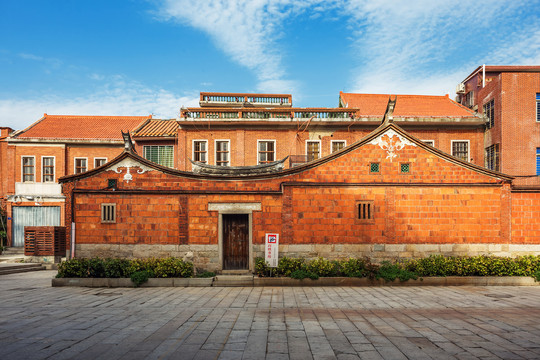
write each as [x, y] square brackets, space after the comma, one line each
[135, 57]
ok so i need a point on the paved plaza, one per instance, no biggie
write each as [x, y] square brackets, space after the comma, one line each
[38, 321]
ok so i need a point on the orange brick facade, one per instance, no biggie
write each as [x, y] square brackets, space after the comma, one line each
[440, 201]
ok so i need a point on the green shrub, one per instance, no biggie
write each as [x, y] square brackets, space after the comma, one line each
[117, 268]
[391, 272]
[206, 274]
[76, 268]
[261, 267]
[323, 267]
[302, 274]
[172, 267]
[353, 267]
[287, 265]
[140, 277]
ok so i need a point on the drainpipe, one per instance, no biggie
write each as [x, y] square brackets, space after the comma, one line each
[72, 242]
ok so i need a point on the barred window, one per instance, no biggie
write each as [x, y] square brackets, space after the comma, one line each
[108, 213]
[489, 113]
[492, 157]
[222, 153]
[267, 151]
[405, 168]
[537, 161]
[429, 142]
[28, 166]
[460, 149]
[313, 150]
[365, 210]
[161, 154]
[47, 163]
[200, 148]
[374, 167]
[537, 106]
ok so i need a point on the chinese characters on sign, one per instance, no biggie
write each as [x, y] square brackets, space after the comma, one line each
[271, 249]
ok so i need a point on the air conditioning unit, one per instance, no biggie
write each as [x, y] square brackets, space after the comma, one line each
[460, 89]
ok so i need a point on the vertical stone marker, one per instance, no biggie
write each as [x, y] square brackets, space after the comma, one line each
[271, 249]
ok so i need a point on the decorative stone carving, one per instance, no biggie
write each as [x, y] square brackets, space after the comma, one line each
[129, 163]
[391, 142]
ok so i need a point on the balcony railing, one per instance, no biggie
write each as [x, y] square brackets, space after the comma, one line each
[338, 114]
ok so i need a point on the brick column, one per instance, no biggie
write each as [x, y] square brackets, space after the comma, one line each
[506, 214]
[182, 149]
[287, 216]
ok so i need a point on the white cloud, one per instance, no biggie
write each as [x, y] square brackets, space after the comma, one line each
[118, 96]
[248, 31]
[419, 46]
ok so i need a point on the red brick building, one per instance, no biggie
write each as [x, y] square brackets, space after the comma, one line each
[509, 98]
[388, 195]
[32, 160]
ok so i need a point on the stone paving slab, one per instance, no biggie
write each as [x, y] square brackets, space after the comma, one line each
[38, 321]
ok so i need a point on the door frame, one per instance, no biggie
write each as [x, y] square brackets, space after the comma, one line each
[235, 208]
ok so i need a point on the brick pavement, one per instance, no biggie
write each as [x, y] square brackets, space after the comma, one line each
[41, 322]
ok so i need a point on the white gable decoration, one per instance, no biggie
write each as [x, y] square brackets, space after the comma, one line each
[391, 142]
[129, 163]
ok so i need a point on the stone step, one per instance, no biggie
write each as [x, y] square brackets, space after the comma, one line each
[233, 280]
[236, 272]
[19, 268]
[13, 251]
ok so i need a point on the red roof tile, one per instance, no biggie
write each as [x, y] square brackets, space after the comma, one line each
[406, 105]
[157, 128]
[81, 127]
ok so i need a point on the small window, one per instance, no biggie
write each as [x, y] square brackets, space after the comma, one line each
[222, 153]
[267, 151]
[200, 149]
[47, 163]
[111, 184]
[537, 106]
[108, 213]
[460, 149]
[80, 165]
[374, 167]
[492, 157]
[537, 161]
[489, 113]
[405, 168]
[429, 142]
[313, 150]
[99, 162]
[160, 154]
[28, 168]
[338, 145]
[365, 210]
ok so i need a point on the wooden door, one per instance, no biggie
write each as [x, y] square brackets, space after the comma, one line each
[235, 241]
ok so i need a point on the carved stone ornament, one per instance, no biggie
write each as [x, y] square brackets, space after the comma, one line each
[129, 163]
[391, 142]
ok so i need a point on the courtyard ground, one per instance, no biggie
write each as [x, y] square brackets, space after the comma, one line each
[38, 321]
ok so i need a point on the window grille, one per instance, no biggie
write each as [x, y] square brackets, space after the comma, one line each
[99, 162]
[199, 151]
[365, 210]
[108, 213]
[222, 153]
[28, 163]
[313, 150]
[374, 167]
[429, 142]
[80, 165]
[537, 106]
[161, 154]
[460, 149]
[266, 152]
[48, 169]
[405, 168]
[337, 145]
[492, 157]
[489, 113]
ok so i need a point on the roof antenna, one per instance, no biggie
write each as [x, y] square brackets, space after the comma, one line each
[389, 113]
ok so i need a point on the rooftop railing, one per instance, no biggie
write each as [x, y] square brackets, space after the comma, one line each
[338, 114]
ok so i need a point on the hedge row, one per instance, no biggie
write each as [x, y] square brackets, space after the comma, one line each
[121, 268]
[436, 265]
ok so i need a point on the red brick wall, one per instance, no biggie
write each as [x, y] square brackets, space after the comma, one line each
[526, 217]
[91, 153]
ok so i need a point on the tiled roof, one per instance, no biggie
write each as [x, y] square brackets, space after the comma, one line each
[406, 105]
[157, 128]
[81, 127]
